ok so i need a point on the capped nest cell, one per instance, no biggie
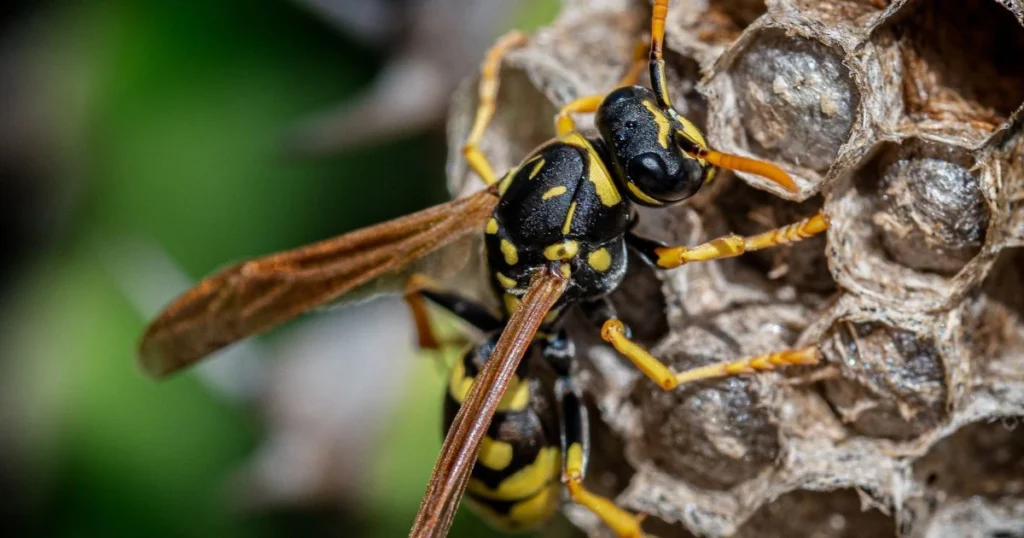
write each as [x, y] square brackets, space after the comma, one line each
[903, 121]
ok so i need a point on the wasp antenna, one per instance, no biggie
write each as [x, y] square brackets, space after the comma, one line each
[657, 62]
[764, 169]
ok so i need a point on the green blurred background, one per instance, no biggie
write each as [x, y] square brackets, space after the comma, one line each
[144, 138]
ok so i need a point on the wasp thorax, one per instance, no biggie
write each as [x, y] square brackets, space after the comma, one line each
[649, 165]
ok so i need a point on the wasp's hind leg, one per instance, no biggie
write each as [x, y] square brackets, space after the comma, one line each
[575, 442]
[589, 104]
[617, 334]
[420, 288]
[488, 94]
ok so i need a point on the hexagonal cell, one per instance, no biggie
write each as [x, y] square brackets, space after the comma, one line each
[961, 59]
[803, 265]
[815, 514]
[893, 382]
[931, 214]
[795, 98]
[906, 230]
[714, 436]
[718, 433]
[984, 459]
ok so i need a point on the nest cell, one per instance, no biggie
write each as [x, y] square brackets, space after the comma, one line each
[893, 382]
[803, 265]
[718, 433]
[797, 101]
[961, 59]
[931, 214]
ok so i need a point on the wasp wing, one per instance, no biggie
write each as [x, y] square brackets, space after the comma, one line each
[462, 444]
[254, 296]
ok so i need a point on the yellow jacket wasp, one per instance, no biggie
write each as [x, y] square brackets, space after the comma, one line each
[556, 231]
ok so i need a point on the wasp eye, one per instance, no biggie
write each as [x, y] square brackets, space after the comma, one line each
[651, 176]
[646, 170]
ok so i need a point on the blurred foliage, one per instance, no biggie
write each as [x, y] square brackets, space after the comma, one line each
[168, 118]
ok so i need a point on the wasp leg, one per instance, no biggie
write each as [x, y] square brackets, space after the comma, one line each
[588, 104]
[575, 441]
[727, 246]
[564, 124]
[488, 93]
[421, 288]
[617, 334]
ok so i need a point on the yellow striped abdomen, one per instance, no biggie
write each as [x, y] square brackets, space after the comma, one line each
[515, 484]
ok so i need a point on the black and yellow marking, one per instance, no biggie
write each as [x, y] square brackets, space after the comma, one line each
[661, 120]
[510, 252]
[597, 173]
[506, 282]
[567, 223]
[525, 514]
[564, 251]
[515, 484]
[599, 260]
[505, 182]
[511, 303]
[537, 167]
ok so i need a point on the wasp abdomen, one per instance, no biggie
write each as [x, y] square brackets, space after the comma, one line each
[515, 482]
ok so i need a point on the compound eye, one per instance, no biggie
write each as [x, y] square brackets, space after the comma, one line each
[650, 175]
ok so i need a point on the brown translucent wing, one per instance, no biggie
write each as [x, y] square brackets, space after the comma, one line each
[462, 444]
[256, 295]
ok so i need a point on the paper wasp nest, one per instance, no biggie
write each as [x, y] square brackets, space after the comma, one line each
[904, 120]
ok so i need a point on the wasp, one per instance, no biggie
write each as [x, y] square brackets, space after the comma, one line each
[556, 230]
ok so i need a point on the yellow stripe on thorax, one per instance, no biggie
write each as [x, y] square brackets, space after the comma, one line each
[553, 192]
[537, 167]
[596, 171]
[567, 225]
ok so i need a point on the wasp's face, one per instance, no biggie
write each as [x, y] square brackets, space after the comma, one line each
[655, 151]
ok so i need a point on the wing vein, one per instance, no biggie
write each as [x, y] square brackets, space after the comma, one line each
[253, 296]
